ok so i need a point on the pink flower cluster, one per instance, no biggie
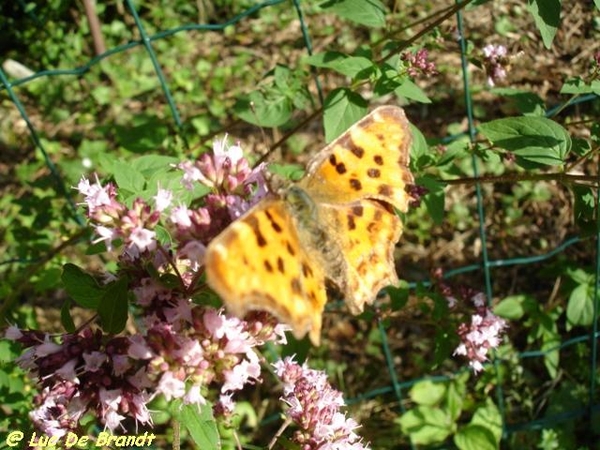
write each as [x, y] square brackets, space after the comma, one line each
[314, 406]
[418, 64]
[185, 351]
[495, 61]
[481, 335]
[115, 378]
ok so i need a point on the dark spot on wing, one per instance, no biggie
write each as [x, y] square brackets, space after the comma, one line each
[378, 160]
[351, 222]
[312, 296]
[274, 224]
[357, 210]
[340, 168]
[355, 184]
[280, 265]
[268, 266]
[385, 190]
[290, 249]
[371, 227]
[260, 239]
[306, 270]
[373, 173]
[296, 286]
[348, 142]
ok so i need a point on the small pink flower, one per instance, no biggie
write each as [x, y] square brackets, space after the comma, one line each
[163, 199]
[315, 407]
[481, 335]
[171, 386]
[94, 360]
[495, 60]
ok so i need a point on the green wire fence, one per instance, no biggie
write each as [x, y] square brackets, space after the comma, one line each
[486, 266]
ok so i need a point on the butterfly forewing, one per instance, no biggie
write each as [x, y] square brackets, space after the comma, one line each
[370, 160]
[258, 262]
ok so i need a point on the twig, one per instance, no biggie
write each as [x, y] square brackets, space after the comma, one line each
[282, 428]
[95, 29]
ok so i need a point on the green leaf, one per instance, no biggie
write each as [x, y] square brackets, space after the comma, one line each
[427, 393]
[81, 286]
[597, 3]
[579, 276]
[475, 437]
[201, 425]
[514, 307]
[546, 14]
[65, 317]
[260, 110]
[343, 108]
[584, 207]
[551, 348]
[528, 103]
[489, 417]
[370, 13]
[113, 306]
[147, 136]
[419, 147]
[426, 425]
[580, 308]
[455, 398]
[435, 198]
[534, 139]
[129, 179]
[410, 90]
[575, 86]
[349, 66]
[287, 171]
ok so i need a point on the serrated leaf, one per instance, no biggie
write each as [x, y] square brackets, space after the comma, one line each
[535, 139]
[342, 109]
[81, 286]
[489, 417]
[475, 437]
[370, 13]
[260, 110]
[201, 425]
[575, 86]
[580, 308]
[425, 425]
[114, 305]
[129, 179]
[546, 14]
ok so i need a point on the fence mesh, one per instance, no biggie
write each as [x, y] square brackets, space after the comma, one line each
[486, 266]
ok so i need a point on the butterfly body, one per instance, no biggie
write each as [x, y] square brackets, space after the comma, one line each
[336, 224]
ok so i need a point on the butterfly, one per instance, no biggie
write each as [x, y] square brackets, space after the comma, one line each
[336, 226]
